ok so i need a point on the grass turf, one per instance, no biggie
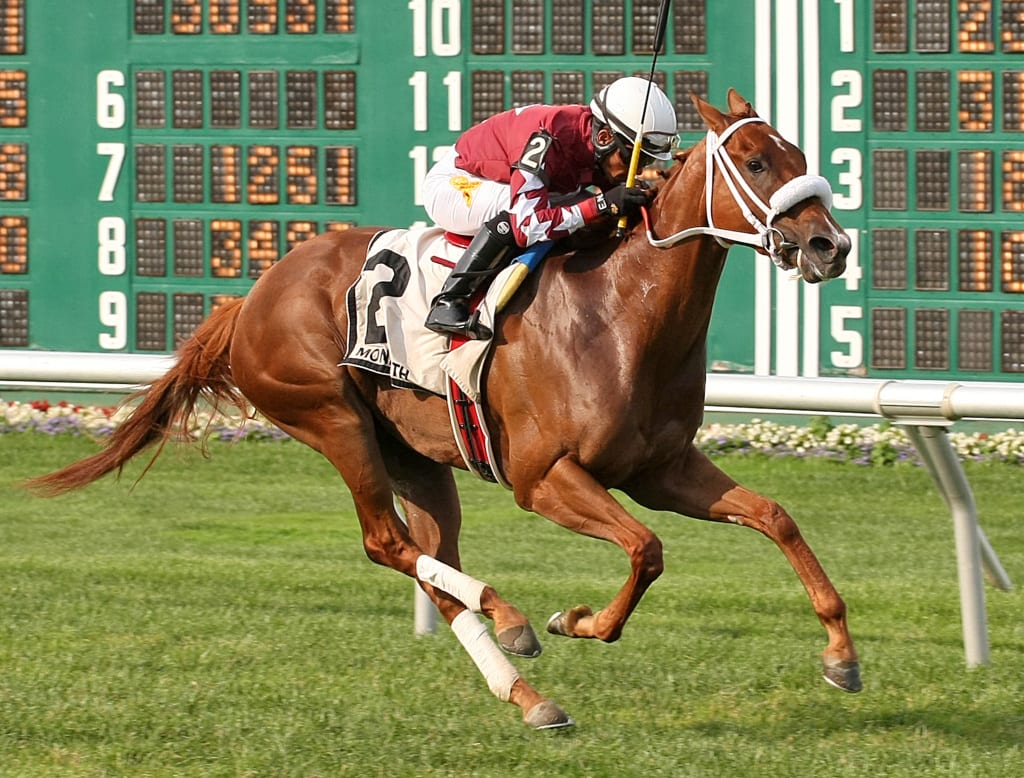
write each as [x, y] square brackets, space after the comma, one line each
[221, 619]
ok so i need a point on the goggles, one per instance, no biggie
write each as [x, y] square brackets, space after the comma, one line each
[654, 147]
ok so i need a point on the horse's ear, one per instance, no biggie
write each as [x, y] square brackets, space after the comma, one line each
[712, 117]
[739, 105]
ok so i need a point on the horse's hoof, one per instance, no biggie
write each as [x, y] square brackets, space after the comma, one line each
[564, 622]
[520, 641]
[843, 674]
[547, 715]
[556, 624]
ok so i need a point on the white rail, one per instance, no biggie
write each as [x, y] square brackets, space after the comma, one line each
[924, 408]
[31, 369]
[921, 401]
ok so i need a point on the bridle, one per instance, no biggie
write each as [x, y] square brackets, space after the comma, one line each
[766, 235]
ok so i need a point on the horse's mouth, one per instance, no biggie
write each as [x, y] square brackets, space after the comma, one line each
[809, 271]
[792, 257]
[822, 260]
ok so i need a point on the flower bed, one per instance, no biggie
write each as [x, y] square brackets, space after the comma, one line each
[876, 444]
[65, 418]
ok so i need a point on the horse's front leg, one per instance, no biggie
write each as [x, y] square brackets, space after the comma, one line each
[695, 487]
[569, 496]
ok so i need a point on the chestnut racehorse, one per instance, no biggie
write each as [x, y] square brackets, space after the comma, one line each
[596, 381]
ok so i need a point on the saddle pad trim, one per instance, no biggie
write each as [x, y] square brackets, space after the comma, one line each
[472, 436]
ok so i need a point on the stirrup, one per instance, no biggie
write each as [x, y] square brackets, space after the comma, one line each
[474, 330]
[468, 327]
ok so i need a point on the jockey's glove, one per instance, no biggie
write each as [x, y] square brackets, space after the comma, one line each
[625, 200]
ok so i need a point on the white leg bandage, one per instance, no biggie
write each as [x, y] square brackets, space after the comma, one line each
[462, 587]
[495, 668]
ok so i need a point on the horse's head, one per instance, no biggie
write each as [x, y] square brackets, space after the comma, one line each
[758, 180]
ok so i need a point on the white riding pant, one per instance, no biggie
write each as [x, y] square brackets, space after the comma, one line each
[459, 201]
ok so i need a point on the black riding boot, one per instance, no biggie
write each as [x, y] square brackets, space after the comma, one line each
[449, 314]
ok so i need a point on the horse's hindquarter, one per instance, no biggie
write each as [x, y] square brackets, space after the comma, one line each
[306, 289]
[291, 331]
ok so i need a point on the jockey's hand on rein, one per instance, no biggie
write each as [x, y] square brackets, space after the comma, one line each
[625, 200]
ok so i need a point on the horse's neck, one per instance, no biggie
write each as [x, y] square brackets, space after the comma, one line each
[689, 271]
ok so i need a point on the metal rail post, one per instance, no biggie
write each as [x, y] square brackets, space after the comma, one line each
[933, 445]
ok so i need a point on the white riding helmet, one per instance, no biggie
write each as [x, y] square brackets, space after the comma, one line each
[619, 107]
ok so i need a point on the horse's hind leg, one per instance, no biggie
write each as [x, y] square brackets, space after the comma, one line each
[430, 500]
[696, 487]
[341, 428]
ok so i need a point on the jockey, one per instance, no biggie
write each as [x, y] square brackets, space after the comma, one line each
[520, 177]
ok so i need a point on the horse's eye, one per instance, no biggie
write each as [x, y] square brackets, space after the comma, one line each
[755, 165]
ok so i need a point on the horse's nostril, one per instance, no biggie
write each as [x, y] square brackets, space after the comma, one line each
[824, 248]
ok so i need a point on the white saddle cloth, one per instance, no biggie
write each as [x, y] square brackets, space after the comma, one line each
[388, 304]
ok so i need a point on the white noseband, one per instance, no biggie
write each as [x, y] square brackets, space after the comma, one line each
[797, 190]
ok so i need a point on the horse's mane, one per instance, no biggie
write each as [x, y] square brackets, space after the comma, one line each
[679, 158]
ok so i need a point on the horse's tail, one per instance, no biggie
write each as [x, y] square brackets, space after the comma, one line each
[201, 371]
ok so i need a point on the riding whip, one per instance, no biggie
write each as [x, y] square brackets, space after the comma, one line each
[634, 160]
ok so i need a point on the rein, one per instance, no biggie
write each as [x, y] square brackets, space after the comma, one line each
[765, 236]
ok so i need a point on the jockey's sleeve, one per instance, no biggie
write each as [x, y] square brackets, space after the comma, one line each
[533, 217]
